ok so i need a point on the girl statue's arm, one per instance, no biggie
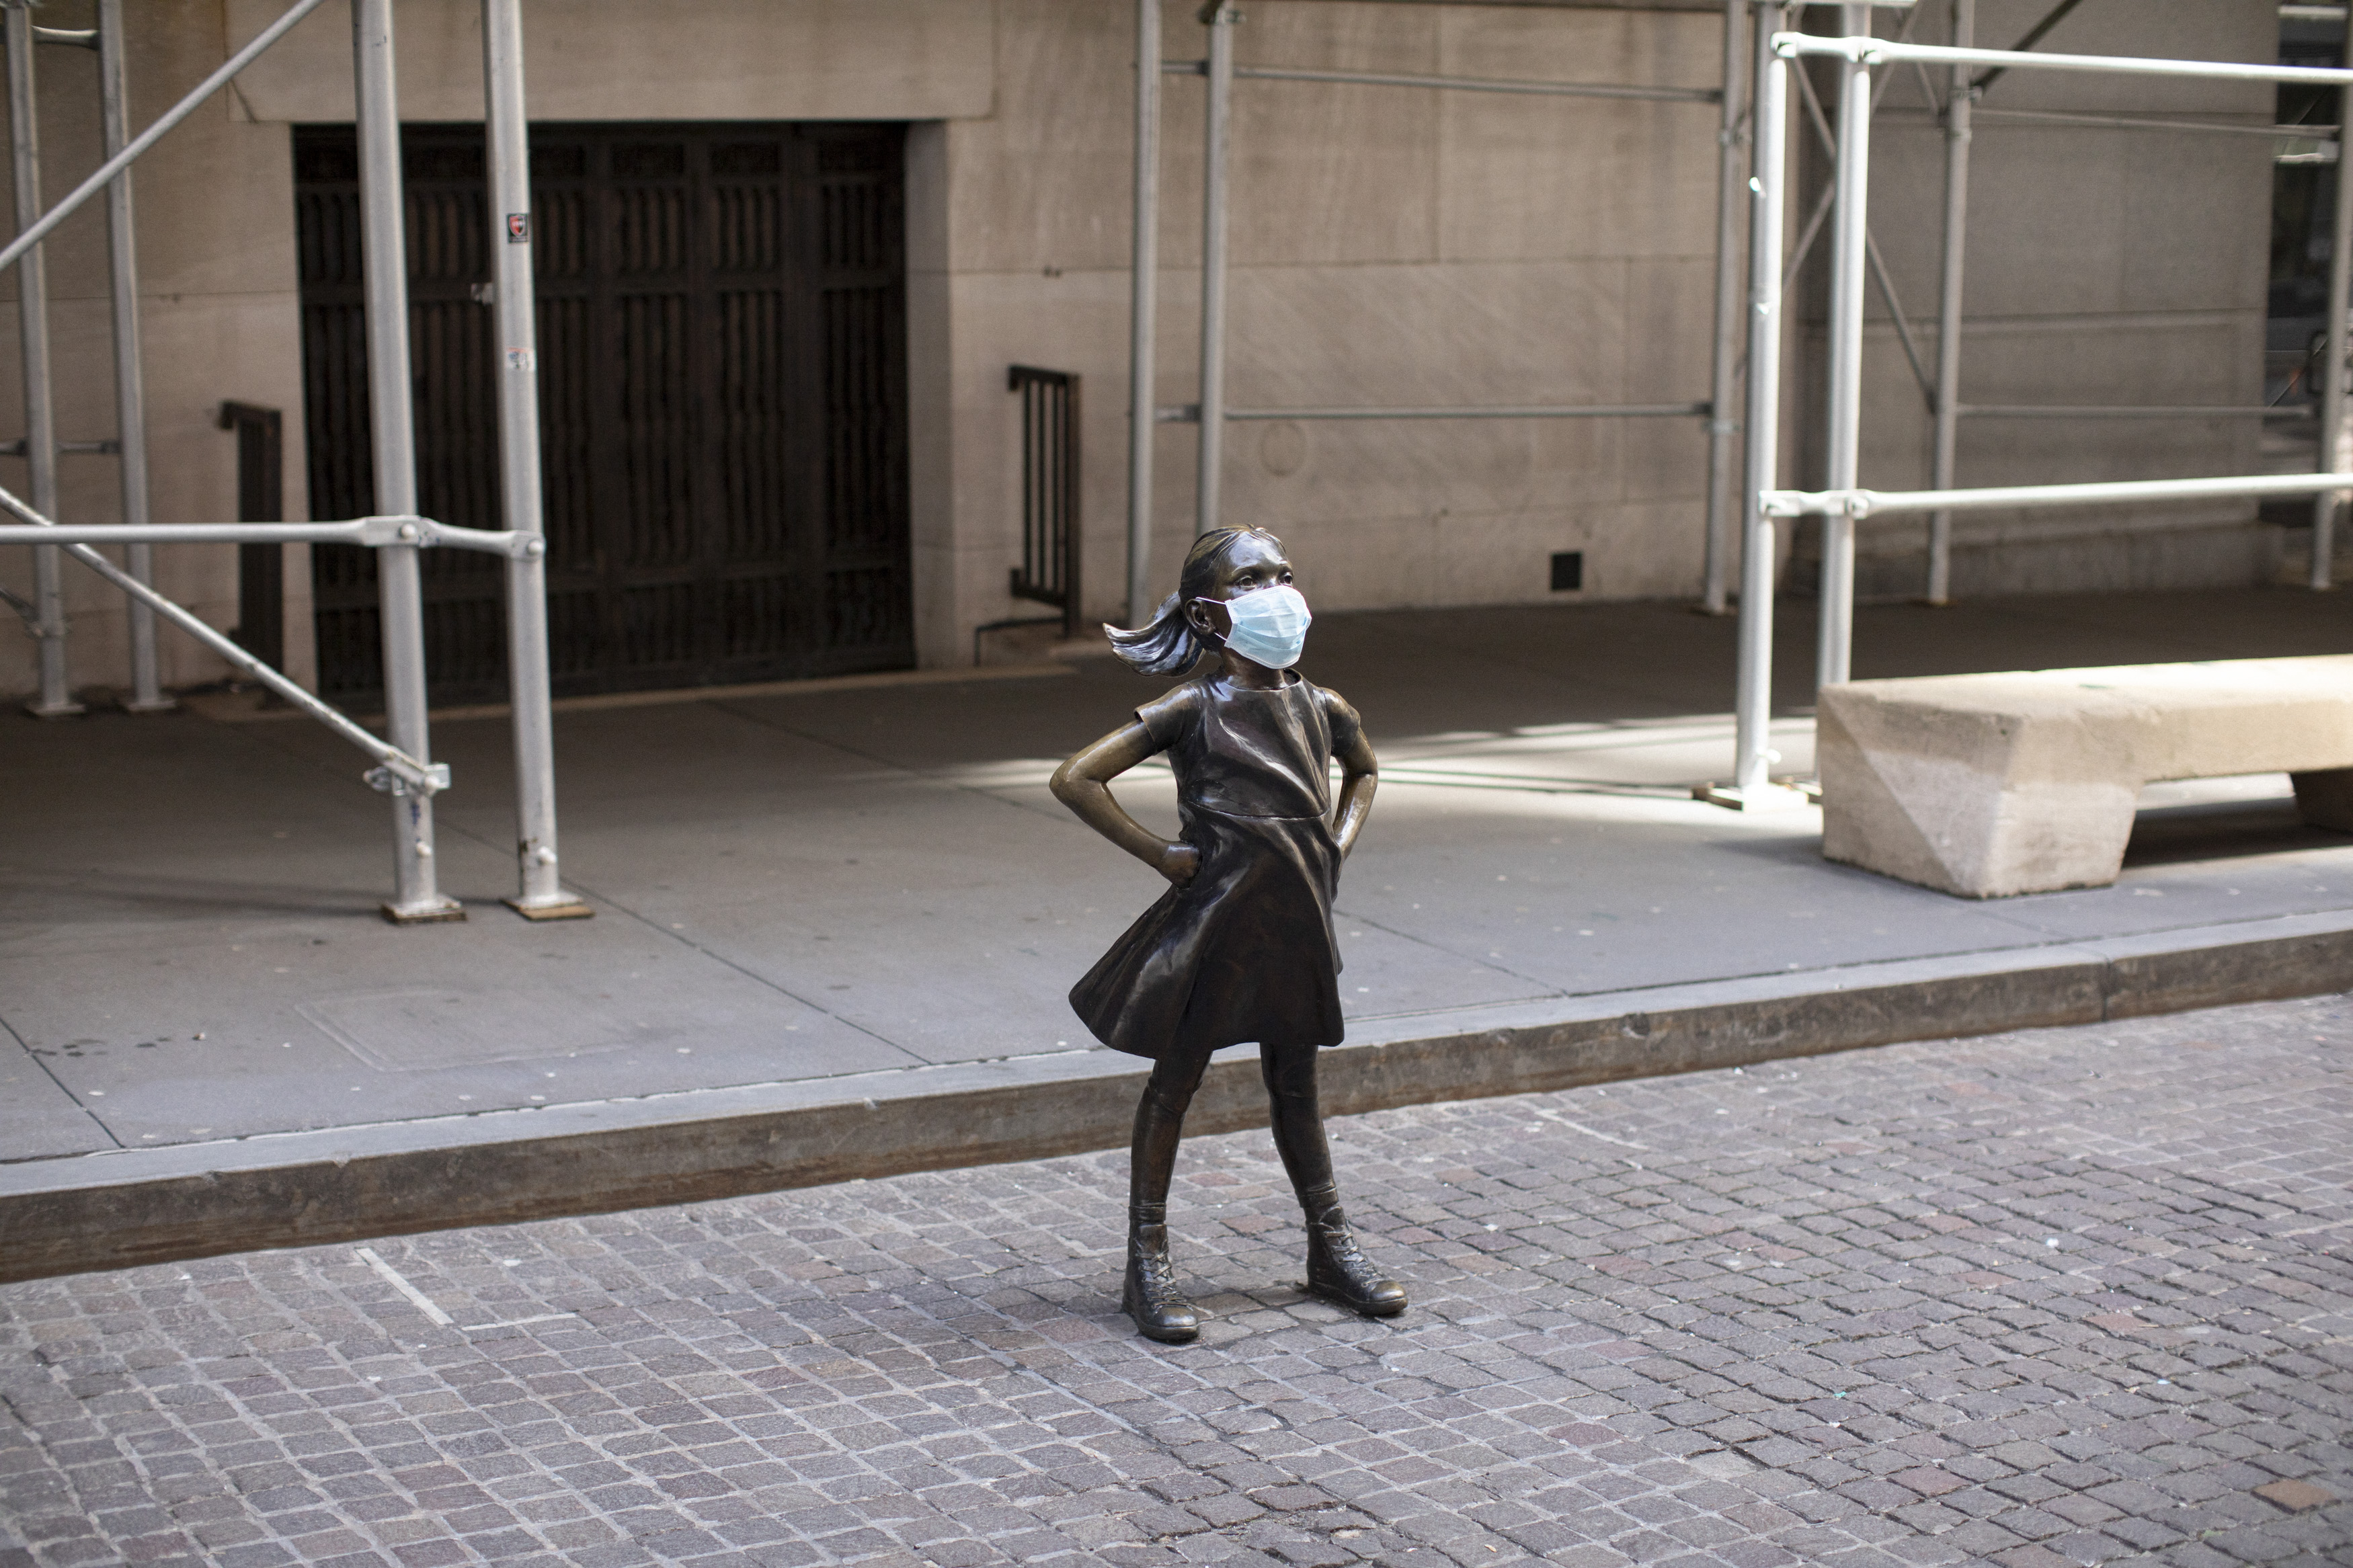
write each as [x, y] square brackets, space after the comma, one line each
[1359, 776]
[1083, 784]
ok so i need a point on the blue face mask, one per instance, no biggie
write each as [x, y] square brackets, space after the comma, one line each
[1270, 627]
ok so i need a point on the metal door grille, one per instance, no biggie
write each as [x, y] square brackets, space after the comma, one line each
[723, 401]
[1048, 572]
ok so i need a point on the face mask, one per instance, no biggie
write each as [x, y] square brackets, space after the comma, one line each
[1270, 627]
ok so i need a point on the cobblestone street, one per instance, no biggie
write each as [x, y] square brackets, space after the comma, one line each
[2074, 1297]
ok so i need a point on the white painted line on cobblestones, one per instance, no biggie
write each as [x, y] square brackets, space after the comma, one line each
[1590, 1133]
[392, 1277]
[515, 1322]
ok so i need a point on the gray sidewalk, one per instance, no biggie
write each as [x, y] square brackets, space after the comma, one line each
[862, 895]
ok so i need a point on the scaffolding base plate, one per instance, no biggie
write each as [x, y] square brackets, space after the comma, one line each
[569, 910]
[61, 710]
[446, 909]
[1767, 797]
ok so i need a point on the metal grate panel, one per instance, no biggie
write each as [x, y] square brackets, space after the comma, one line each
[1048, 571]
[722, 394]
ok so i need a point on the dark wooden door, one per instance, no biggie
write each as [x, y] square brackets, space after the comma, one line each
[723, 401]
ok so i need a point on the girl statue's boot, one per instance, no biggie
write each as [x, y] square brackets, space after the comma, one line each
[1337, 1270]
[1151, 1297]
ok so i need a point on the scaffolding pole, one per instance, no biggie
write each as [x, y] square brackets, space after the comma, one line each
[53, 699]
[1849, 502]
[2336, 448]
[129, 376]
[1143, 315]
[416, 895]
[539, 894]
[1216, 139]
[1723, 449]
[1959, 102]
[2099, 492]
[1849, 247]
[1752, 785]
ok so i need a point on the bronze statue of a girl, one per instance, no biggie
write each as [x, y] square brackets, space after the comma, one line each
[1240, 949]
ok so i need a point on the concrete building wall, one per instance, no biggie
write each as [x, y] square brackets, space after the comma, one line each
[1390, 246]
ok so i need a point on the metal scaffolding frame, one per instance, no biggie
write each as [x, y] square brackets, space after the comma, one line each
[1212, 413]
[403, 769]
[1842, 502]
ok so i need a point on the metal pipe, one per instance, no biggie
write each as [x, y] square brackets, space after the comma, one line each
[1767, 214]
[1722, 427]
[1886, 281]
[2336, 443]
[395, 764]
[1834, 639]
[380, 533]
[2122, 411]
[1862, 503]
[2135, 122]
[1220, 19]
[1960, 100]
[399, 589]
[15, 449]
[539, 892]
[1880, 51]
[1191, 414]
[129, 376]
[2034, 35]
[1813, 226]
[212, 84]
[1143, 315]
[1481, 84]
[53, 699]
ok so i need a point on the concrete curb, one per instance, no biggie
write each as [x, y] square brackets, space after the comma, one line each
[119, 1208]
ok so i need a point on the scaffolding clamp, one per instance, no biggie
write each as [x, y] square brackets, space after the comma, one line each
[1817, 504]
[424, 534]
[401, 775]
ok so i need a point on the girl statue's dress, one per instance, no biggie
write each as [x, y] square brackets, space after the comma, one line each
[1240, 949]
[1244, 952]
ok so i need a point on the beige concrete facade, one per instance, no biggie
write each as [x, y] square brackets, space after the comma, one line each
[1390, 246]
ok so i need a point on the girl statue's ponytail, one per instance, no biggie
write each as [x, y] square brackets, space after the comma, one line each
[1166, 646]
[1169, 645]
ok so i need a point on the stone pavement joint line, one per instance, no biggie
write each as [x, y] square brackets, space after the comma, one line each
[2077, 1296]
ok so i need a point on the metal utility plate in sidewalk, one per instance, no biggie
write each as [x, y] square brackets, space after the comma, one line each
[809, 900]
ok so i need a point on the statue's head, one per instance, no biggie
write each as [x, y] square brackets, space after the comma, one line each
[1224, 566]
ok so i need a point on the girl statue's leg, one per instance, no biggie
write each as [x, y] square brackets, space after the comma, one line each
[1337, 1270]
[1150, 1295]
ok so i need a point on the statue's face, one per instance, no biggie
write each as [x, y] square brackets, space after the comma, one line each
[1253, 562]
